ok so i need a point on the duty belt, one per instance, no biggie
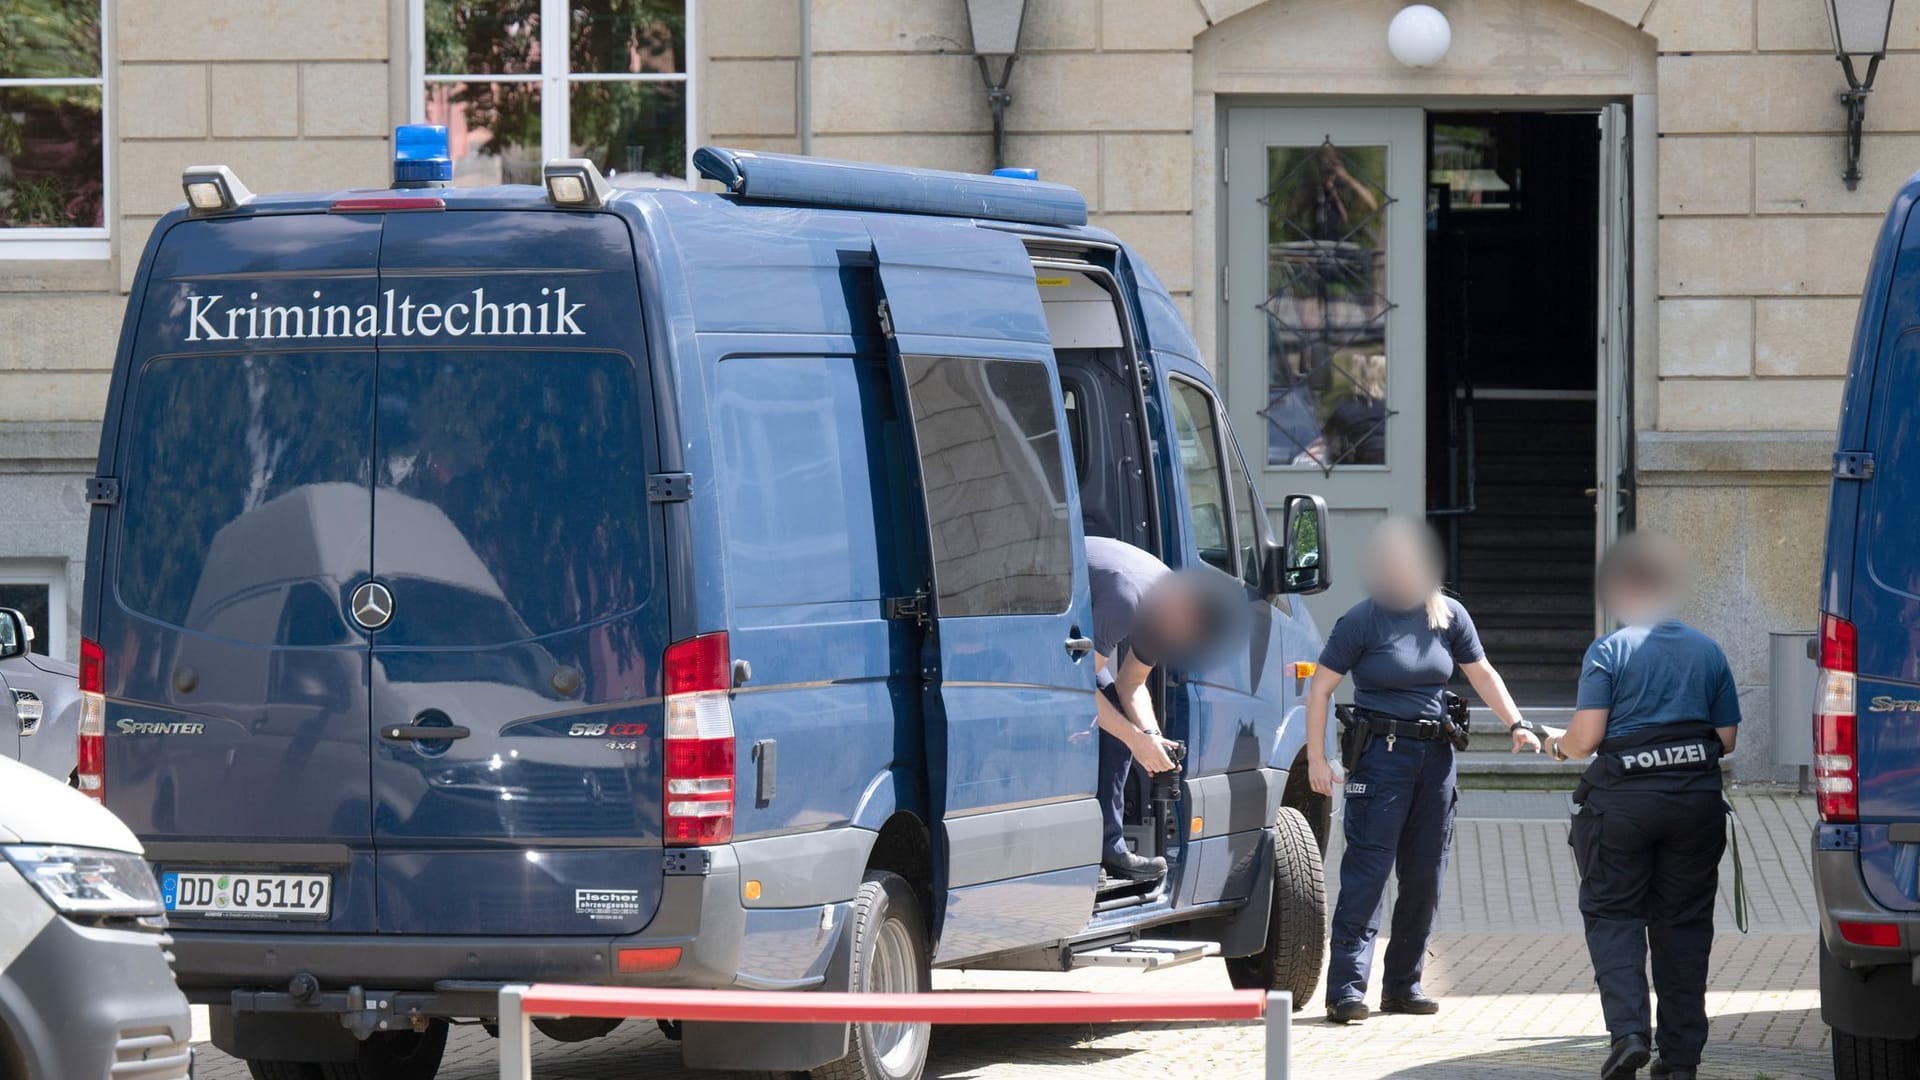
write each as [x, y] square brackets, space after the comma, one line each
[1384, 726]
[1676, 757]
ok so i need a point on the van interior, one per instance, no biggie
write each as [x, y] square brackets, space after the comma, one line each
[1100, 390]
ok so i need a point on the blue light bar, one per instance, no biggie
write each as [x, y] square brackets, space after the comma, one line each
[420, 155]
[858, 185]
[1011, 173]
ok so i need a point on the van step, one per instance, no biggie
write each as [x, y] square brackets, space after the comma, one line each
[1147, 954]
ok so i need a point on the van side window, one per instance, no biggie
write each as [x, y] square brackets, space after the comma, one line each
[792, 435]
[1246, 517]
[1196, 434]
[995, 485]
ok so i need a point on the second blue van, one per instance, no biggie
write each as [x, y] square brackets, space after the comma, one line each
[669, 588]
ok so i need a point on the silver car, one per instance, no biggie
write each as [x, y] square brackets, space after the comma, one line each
[43, 729]
[86, 986]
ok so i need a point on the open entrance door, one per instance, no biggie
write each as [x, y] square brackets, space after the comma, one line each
[1007, 659]
[1614, 489]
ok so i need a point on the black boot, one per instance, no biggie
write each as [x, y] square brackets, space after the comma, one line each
[1663, 1071]
[1629, 1053]
[1131, 867]
[1348, 1011]
[1412, 1005]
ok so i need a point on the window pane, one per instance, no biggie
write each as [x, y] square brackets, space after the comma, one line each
[32, 602]
[483, 37]
[995, 488]
[635, 131]
[50, 39]
[1200, 462]
[493, 130]
[800, 438]
[1246, 511]
[50, 160]
[629, 36]
[1326, 306]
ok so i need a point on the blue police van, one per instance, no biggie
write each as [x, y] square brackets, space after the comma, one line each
[1866, 849]
[657, 587]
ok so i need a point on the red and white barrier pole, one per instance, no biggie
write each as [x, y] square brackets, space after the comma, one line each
[519, 1004]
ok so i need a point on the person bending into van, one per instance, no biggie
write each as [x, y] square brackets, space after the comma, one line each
[1657, 701]
[1144, 615]
[1401, 645]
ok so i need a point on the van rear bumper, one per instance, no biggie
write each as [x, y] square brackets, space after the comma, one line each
[1864, 990]
[699, 914]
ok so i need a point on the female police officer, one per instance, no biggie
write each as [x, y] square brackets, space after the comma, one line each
[1401, 645]
[1657, 701]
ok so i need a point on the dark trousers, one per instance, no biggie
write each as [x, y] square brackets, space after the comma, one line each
[1399, 820]
[1649, 868]
[1116, 762]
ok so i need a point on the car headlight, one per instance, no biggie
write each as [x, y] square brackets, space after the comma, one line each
[88, 881]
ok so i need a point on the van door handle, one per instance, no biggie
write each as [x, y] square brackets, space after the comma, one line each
[1079, 647]
[425, 732]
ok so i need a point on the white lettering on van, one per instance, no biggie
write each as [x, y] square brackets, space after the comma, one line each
[154, 727]
[396, 315]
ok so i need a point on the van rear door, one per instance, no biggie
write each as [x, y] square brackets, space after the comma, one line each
[1875, 565]
[1009, 700]
[236, 725]
[526, 574]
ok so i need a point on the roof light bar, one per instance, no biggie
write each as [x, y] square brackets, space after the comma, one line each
[212, 189]
[575, 182]
[420, 156]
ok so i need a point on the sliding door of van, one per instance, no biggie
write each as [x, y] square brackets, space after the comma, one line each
[236, 682]
[516, 709]
[1009, 689]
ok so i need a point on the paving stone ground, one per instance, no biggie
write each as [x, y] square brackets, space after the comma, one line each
[1508, 962]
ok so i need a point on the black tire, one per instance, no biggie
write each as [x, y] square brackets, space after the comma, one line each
[282, 1070]
[888, 953]
[1859, 1057]
[1315, 807]
[1296, 948]
[395, 1055]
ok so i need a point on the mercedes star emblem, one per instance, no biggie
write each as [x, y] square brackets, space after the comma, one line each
[372, 605]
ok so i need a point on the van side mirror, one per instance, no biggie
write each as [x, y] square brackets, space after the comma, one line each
[15, 634]
[1298, 563]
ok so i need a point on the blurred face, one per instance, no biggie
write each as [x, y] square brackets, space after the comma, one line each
[1173, 615]
[1646, 585]
[1402, 568]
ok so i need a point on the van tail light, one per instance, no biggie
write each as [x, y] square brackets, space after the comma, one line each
[1878, 934]
[1836, 761]
[92, 767]
[699, 741]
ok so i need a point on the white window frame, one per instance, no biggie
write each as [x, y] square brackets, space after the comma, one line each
[84, 242]
[53, 575]
[555, 73]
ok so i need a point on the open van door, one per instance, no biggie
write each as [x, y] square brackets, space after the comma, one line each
[1008, 657]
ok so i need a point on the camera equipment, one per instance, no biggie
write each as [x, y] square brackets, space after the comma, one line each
[1166, 785]
[1459, 717]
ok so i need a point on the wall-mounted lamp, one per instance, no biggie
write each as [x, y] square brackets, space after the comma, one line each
[1859, 33]
[996, 35]
[1419, 35]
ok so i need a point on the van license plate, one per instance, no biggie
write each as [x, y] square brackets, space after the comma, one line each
[247, 895]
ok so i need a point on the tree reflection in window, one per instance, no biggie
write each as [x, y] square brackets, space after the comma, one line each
[1325, 305]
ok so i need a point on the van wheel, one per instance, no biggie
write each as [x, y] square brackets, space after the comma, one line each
[282, 1070]
[1858, 1057]
[889, 955]
[395, 1055]
[1296, 946]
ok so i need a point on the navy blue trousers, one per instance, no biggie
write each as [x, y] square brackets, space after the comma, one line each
[1399, 820]
[1116, 762]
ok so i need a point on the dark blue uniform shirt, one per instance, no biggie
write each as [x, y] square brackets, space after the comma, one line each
[1666, 673]
[1399, 665]
[1118, 577]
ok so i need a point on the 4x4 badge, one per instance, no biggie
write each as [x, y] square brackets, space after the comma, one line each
[372, 605]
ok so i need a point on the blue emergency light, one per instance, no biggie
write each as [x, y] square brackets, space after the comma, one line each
[420, 156]
[1017, 174]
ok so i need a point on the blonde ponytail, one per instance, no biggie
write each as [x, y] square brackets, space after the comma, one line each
[1439, 615]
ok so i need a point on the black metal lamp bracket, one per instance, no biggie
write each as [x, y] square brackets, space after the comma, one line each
[1854, 100]
[998, 98]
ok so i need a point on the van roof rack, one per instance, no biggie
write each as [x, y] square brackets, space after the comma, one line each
[860, 185]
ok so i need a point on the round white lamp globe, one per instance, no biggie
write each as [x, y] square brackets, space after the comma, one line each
[1419, 35]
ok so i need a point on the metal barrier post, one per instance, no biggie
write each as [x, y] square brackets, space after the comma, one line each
[1279, 1032]
[516, 1040]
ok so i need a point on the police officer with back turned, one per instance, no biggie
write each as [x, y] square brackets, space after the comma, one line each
[1657, 702]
